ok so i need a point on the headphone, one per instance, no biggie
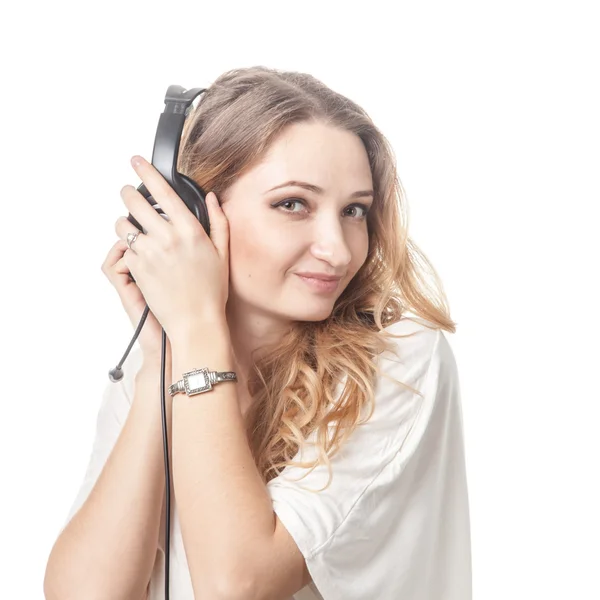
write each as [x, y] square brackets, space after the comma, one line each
[178, 103]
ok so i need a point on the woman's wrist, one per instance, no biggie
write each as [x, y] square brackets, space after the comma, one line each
[151, 370]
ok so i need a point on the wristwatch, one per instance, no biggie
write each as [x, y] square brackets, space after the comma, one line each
[198, 381]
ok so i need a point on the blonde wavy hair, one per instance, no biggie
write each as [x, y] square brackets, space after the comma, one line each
[292, 385]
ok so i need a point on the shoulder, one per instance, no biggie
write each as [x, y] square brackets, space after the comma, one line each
[416, 378]
[423, 346]
[416, 345]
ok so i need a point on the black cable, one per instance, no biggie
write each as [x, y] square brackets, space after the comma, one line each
[115, 375]
[167, 470]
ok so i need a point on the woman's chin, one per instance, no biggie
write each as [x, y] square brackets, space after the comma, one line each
[315, 313]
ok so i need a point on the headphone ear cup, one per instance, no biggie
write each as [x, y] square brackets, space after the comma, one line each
[195, 199]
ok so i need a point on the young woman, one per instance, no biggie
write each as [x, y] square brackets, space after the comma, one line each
[334, 466]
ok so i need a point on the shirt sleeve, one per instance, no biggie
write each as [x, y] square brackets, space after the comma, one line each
[389, 524]
[112, 413]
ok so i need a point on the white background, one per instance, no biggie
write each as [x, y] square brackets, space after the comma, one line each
[493, 112]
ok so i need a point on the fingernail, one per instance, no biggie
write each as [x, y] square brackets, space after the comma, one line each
[136, 161]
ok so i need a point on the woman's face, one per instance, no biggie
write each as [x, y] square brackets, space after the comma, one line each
[317, 231]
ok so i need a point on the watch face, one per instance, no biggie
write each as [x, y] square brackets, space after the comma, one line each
[197, 381]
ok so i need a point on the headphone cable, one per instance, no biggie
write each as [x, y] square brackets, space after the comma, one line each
[115, 375]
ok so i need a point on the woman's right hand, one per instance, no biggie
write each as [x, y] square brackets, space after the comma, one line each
[150, 338]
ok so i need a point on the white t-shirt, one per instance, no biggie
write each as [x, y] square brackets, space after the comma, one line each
[394, 522]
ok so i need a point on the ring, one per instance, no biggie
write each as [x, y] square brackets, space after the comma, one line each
[131, 237]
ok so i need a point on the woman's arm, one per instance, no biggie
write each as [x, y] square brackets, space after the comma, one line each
[108, 548]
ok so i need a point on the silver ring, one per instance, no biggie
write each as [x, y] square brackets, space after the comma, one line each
[131, 237]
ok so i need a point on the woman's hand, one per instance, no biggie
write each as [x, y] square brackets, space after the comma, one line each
[117, 272]
[181, 272]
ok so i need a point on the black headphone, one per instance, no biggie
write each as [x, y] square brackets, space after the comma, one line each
[178, 103]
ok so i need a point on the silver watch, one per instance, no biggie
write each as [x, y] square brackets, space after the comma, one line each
[199, 381]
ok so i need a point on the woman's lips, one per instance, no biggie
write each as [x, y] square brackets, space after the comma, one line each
[320, 285]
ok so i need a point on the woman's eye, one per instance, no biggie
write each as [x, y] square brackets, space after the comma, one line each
[290, 201]
[293, 201]
[364, 208]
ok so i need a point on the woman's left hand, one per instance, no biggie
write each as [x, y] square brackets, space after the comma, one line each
[182, 272]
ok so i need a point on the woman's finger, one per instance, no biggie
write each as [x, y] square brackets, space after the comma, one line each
[115, 253]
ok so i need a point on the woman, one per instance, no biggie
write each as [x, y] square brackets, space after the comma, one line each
[334, 467]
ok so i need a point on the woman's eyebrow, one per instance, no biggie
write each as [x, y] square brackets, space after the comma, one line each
[318, 190]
